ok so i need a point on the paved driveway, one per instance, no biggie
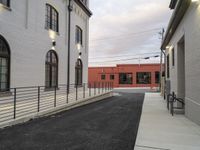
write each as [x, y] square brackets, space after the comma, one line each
[110, 124]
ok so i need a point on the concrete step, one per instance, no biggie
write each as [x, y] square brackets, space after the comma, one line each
[179, 111]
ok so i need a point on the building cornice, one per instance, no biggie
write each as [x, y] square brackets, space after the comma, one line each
[84, 7]
[177, 16]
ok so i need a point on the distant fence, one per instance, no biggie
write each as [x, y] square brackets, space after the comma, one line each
[24, 101]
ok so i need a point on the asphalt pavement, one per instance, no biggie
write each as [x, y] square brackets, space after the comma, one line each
[110, 124]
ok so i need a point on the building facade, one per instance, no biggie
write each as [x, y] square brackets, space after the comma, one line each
[127, 75]
[43, 42]
[182, 49]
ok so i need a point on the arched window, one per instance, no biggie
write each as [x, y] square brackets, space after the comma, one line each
[79, 72]
[51, 69]
[4, 65]
[52, 18]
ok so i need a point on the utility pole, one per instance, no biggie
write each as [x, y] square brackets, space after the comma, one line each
[161, 56]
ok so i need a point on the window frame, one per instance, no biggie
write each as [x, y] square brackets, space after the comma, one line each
[79, 35]
[112, 77]
[103, 77]
[51, 65]
[127, 82]
[137, 77]
[51, 23]
[173, 57]
[168, 67]
[7, 56]
[79, 73]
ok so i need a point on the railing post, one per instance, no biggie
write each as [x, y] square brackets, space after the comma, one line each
[67, 92]
[76, 92]
[89, 89]
[83, 90]
[172, 103]
[15, 99]
[102, 86]
[55, 96]
[94, 88]
[38, 98]
[99, 87]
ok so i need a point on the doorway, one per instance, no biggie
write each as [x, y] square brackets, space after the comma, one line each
[181, 68]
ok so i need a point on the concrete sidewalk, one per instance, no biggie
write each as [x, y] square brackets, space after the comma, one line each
[159, 130]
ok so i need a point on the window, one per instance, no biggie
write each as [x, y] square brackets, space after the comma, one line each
[125, 78]
[103, 77]
[173, 57]
[5, 2]
[157, 77]
[4, 65]
[79, 72]
[143, 77]
[168, 66]
[51, 69]
[52, 17]
[79, 34]
[112, 77]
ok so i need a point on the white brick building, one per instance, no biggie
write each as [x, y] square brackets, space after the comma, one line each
[182, 45]
[34, 42]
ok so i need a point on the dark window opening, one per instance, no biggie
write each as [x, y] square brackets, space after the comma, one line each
[52, 18]
[79, 72]
[5, 2]
[125, 78]
[143, 77]
[112, 77]
[157, 77]
[4, 65]
[103, 77]
[168, 73]
[79, 35]
[173, 57]
[51, 70]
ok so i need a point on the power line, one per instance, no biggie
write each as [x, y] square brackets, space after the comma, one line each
[125, 35]
[135, 58]
[125, 55]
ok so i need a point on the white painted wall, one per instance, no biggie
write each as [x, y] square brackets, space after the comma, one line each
[24, 28]
[190, 29]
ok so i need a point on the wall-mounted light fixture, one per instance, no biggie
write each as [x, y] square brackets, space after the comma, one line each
[78, 46]
[53, 43]
[195, 0]
[52, 34]
[167, 47]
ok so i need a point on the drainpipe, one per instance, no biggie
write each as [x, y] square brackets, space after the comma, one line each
[69, 45]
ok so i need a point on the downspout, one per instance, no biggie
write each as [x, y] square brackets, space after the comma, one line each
[69, 45]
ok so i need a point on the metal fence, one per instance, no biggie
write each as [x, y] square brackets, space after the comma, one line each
[24, 101]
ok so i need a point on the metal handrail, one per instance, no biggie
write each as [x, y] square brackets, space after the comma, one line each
[171, 99]
[24, 101]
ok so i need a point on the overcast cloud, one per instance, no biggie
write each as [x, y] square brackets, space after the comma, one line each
[122, 30]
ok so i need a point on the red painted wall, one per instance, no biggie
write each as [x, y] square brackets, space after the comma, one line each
[95, 73]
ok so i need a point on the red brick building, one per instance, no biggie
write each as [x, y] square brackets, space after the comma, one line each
[127, 75]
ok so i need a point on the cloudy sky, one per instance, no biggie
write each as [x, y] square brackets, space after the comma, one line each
[126, 31]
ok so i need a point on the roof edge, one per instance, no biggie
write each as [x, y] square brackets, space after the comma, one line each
[84, 7]
[175, 20]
